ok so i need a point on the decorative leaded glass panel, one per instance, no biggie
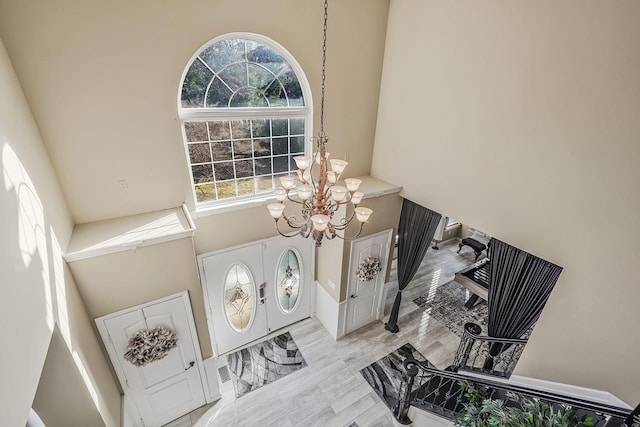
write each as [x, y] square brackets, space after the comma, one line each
[239, 297]
[288, 280]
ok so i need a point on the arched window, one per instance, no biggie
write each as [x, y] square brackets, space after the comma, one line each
[245, 112]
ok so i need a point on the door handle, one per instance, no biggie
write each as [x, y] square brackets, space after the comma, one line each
[261, 292]
[353, 296]
[190, 365]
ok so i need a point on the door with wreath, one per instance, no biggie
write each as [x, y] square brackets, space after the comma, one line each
[155, 353]
[367, 270]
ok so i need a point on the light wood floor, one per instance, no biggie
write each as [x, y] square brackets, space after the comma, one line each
[330, 391]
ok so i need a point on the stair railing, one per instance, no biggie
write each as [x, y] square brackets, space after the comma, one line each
[441, 393]
[487, 355]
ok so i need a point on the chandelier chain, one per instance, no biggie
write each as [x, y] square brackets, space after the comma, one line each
[324, 64]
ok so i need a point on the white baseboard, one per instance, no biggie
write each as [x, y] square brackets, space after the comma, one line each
[342, 319]
[600, 396]
[213, 381]
[383, 300]
[425, 419]
[593, 395]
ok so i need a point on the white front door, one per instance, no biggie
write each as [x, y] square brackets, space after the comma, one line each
[235, 294]
[364, 298]
[165, 389]
[255, 289]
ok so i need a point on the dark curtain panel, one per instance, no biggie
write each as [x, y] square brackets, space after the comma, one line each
[519, 286]
[415, 232]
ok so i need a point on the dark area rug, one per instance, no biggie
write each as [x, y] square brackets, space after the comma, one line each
[446, 305]
[264, 363]
[385, 375]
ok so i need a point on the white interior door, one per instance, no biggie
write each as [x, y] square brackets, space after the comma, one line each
[365, 297]
[166, 389]
[288, 266]
[234, 288]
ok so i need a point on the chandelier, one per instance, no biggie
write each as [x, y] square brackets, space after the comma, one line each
[319, 194]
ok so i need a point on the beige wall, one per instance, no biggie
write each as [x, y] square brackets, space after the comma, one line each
[36, 290]
[102, 80]
[62, 391]
[113, 282]
[329, 259]
[453, 232]
[225, 230]
[540, 101]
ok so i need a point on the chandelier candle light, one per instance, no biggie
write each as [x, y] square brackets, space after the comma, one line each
[319, 198]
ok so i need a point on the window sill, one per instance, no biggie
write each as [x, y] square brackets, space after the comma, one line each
[232, 206]
[371, 187]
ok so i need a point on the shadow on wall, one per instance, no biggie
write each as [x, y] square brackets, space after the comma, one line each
[65, 389]
[42, 298]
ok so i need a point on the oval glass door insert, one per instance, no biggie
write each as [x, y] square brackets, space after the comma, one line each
[288, 280]
[239, 297]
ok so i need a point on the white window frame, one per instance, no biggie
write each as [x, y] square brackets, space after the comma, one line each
[244, 113]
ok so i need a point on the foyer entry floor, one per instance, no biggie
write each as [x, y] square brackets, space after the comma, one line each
[330, 391]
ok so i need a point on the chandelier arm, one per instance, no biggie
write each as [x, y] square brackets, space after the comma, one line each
[347, 238]
[332, 207]
[311, 180]
[291, 222]
[336, 204]
[301, 202]
[292, 234]
[344, 222]
[312, 183]
[303, 229]
[330, 236]
[308, 210]
[306, 232]
[302, 178]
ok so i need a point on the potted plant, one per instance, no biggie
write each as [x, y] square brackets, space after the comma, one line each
[482, 411]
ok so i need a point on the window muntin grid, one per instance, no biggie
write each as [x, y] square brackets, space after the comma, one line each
[244, 118]
[238, 158]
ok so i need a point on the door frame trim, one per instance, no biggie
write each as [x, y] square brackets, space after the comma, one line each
[104, 334]
[382, 292]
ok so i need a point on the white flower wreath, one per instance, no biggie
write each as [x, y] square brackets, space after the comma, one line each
[368, 268]
[149, 345]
